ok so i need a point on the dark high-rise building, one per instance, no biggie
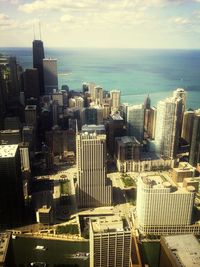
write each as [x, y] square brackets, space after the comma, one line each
[194, 158]
[31, 83]
[38, 55]
[11, 194]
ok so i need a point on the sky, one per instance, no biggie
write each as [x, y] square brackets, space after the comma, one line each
[101, 23]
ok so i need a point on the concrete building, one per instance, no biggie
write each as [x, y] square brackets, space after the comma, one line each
[147, 162]
[135, 121]
[115, 100]
[179, 250]
[24, 156]
[187, 126]
[92, 115]
[127, 148]
[93, 189]
[194, 157]
[11, 189]
[163, 208]
[110, 242]
[44, 215]
[115, 129]
[184, 170]
[168, 126]
[10, 137]
[31, 115]
[50, 75]
[151, 125]
[98, 95]
[6, 250]
[59, 97]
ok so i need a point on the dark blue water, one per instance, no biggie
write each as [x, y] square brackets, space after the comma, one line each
[136, 72]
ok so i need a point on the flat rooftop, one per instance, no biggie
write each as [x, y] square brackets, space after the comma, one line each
[93, 128]
[9, 131]
[116, 117]
[4, 242]
[108, 224]
[30, 107]
[8, 151]
[185, 248]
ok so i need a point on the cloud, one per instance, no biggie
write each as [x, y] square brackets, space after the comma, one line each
[181, 20]
[66, 18]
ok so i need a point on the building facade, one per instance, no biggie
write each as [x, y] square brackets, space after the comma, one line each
[93, 189]
[110, 242]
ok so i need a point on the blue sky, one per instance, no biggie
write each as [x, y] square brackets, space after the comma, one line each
[101, 23]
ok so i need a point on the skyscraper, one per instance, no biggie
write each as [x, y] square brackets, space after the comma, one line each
[11, 194]
[38, 55]
[194, 158]
[135, 121]
[50, 75]
[93, 189]
[115, 99]
[161, 207]
[110, 242]
[168, 126]
[31, 83]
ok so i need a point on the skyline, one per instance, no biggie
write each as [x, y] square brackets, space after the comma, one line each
[102, 24]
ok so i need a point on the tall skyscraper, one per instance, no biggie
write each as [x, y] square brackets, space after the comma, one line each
[135, 121]
[93, 189]
[110, 242]
[161, 207]
[115, 99]
[50, 75]
[38, 55]
[168, 126]
[11, 194]
[194, 158]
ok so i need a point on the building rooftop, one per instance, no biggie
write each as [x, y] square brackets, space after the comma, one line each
[108, 224]
[184, 167]
[116, 116]
[8, 151]
[30, 107]
[93, 128]
[44, 209]
[9, 131]
[4, 242]
[185, 249]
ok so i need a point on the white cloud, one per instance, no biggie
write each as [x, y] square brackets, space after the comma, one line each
[181, 20]
[66, 18]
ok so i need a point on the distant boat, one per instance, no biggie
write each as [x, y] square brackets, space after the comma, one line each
[38, 264]
[41, 248]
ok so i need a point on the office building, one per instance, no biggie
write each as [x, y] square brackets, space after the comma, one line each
[10, 137]
[92, 115]
[93, 189]
[98, 129]
[38, 56]
[12, 123]
[31, 115]
[184, 170]
[31, 83]
[187, 127]
[11, 191]
[50, 75]
[179, 250]
[115, 100]
[110, 242]
[194, 157]
[168, 126]
[115, 129]
[135, 121]
[151, 125]
[24, 157]
[163, 208]
[44, 215]
[127, 149]
[6, 250]
[98, 95]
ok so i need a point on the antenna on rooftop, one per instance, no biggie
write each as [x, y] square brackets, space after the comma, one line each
[40, 30]
[34, 31]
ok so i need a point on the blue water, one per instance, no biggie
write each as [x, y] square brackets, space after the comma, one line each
[136, 72]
